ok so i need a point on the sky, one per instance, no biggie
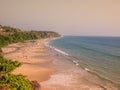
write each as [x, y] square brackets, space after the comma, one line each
[67, 17]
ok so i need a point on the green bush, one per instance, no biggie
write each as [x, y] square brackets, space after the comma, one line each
[13, 35]
[7, 65]
[12, 82]
[3, 41]
[15, 82]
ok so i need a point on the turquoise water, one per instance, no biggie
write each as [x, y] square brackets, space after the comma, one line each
[100, 55]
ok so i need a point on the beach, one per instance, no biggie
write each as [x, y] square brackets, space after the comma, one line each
[52, 70]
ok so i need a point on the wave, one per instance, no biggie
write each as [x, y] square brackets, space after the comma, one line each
[86, 69]
[46, 44]
[60, 51]
[75, 62]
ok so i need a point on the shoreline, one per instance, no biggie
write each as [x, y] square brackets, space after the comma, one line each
[93, 80]
[50, 69]
[75, 62]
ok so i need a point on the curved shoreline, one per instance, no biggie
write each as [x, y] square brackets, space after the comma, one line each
[52, 70]
[113, 86]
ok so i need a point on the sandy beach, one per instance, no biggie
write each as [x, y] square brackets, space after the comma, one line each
[31, 66]
[52, 71]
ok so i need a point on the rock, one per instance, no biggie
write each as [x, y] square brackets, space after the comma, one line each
[35, 85]
[1, 87]
[1, 51]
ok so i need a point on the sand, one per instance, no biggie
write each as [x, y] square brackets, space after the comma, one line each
[52, 71]
[24, 53]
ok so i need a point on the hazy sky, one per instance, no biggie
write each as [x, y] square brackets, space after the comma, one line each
[72, 17]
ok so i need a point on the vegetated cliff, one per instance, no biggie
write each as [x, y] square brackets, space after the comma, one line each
[9, 35]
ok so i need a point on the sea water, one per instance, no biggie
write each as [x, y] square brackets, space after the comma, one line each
[100, 55]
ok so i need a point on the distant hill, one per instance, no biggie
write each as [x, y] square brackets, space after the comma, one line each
[13, 35]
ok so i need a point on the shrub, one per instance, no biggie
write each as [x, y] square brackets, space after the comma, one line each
[15, 82]
[10, 81]
[7, 65]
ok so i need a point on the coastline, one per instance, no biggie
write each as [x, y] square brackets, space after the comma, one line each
[52, 70]
[27, 53]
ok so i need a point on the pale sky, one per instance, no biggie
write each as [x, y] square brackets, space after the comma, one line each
[67, 17]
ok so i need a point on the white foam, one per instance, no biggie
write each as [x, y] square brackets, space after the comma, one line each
[47, 44]
[60, 51]
[76, 63]
[87, 69]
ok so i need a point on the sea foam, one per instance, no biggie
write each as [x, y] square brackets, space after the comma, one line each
[60, 51]
[75, 62]
[87, 69]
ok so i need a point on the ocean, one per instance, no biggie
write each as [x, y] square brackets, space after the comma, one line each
[99, 55]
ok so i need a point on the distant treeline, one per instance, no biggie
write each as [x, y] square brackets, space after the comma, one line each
[10, 35]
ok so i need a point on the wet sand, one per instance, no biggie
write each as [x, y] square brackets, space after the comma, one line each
[51, 69]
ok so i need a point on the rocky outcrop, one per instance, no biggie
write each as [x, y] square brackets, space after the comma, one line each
[2, 87]
[35, 85]
[1, 51]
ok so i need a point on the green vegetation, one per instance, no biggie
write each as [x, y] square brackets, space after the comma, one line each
[10, 81]
[7, 66]
[9, 35]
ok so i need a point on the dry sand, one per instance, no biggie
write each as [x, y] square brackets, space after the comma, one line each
[24, 53]
[52, 71]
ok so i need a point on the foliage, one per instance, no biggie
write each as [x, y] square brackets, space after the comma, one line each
[10, 35]
[3, 41]
[13, 35]
[12, 82]
[15, 82]
[7, 65]
[10, 29]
